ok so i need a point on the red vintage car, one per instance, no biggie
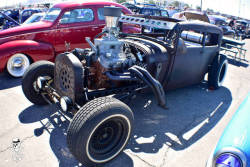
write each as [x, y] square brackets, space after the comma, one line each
[64, 27]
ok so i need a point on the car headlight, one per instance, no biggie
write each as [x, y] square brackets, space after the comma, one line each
[65, 103]
[229, 157]
[228, 160]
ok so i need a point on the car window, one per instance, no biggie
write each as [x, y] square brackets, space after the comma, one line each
[27, 13]
[7, 12]
[146, 12]
[52, 14]
[77, 16]
[151, 12]
[33, 19]
[156, 13]
[164, 13]
[100, 13]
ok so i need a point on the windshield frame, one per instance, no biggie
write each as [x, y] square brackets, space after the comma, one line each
[52, 10]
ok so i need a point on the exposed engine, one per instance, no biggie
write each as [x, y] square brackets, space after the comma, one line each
[112, 62]
[111, 53]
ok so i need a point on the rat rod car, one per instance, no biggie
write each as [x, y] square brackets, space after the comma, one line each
[58, 31]
[83, 81]
[233, 148]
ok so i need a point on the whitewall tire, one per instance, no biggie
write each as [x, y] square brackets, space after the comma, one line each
[18, 64]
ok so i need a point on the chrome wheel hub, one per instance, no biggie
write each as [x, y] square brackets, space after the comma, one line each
[17, 65]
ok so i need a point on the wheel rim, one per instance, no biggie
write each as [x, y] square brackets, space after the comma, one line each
[108, 138]
[18, 64]
[47, 77]
[222, 73]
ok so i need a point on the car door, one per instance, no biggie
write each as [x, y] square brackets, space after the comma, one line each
[73, 27]
[190, 61]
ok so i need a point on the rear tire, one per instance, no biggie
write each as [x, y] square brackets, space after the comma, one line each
[99, 131]
[40, 68]
[217, 72]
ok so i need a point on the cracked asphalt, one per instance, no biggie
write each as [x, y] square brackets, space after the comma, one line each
[182, 136]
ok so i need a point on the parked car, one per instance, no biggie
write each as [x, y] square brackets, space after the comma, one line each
[8, 20]
[34, 18]
[12, 15]
[64, 27]
[132, 7]
[1, 18]
[13, 18]
[222, 23]
[152, 11]
[25, 14]
[191, 15]
[146, 9]
[248, 30]
[233, 147]
[82, 81]
[171, 12]
[240, 28]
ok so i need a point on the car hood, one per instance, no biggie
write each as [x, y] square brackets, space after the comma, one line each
[23, 29]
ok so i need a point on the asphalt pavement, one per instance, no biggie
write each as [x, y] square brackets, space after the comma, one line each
[182, 136]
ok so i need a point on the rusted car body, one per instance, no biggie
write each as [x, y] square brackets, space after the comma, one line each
[83, 81]
[63, 28]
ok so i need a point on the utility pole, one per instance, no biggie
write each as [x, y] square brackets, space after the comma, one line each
[239, 7]
[201, 5]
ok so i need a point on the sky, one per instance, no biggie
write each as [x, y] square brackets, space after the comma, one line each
[225, 6]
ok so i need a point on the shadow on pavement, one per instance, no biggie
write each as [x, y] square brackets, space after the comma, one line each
[56, 124]
[192, 113]
[6, 81]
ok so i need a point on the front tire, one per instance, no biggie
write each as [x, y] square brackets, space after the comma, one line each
[100, 130]
[40, 68]
[217, 72]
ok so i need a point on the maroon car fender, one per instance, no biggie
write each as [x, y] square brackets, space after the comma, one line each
[35, 50]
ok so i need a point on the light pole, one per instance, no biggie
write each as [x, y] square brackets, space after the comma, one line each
[239, 7]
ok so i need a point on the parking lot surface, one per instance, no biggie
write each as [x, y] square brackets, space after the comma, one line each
[182, 136]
